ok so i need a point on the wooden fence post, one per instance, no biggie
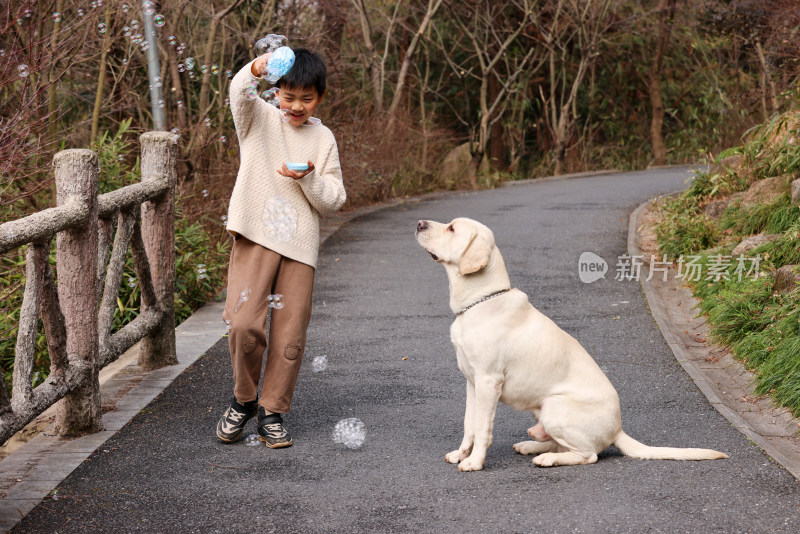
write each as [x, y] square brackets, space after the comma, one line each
[76, 174]
[159, 158]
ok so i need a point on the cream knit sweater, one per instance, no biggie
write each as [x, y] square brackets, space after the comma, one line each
[277, 212]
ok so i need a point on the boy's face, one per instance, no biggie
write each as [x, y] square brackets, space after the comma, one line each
[299, 103]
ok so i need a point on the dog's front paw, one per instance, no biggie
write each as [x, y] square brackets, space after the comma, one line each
[471, 464]
[455, 457]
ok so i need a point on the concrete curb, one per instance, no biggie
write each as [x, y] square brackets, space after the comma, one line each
[727, 385]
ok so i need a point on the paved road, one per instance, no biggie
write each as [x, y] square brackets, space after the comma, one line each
[382, 319]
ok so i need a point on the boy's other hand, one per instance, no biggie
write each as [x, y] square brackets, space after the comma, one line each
[260, 65]
[295, 175]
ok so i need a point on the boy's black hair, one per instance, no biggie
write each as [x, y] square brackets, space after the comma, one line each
[308, 71]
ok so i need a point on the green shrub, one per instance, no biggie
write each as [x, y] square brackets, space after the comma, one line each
[685, 232]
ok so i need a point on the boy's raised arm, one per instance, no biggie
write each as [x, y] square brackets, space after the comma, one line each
[244, 103]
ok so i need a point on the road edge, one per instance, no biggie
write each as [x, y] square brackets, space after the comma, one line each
[726, 384]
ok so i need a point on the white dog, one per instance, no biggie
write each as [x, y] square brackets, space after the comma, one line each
[509, 352]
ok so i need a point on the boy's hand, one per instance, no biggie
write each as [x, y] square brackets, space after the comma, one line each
[260, 65]
[295, 175]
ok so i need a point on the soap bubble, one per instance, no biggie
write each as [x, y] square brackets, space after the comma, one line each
[251, 440]
[214, 69]
[228, 73]
[161, 103]
[227, 101]
[159, 20]
[350, 432]
[205, 193]
[201, 269]
[172, 40]
[224, 139]
[181, 67]
[131, 282]
[80, 12]
[244, 296]
[126, 31]
[313, 121]
[276, 301]
[101, 27]
[270, 43]
[23, 70]
[203, 68]
[28, 13]
[207, 122]
[179, 103]
[157, 81]
[319, 364]
[57, 16]
[148, 8]
[252, 92]
[136, 38]
[189, 63]
[279, 218]
[125, 8]
[271, 97]
[145, 46]
[224, 219]
[134, 24]
[285, 115]
[175, 131]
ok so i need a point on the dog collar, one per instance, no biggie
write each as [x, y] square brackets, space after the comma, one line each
[483, 299]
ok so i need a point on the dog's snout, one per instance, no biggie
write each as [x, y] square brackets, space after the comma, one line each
[422, 225]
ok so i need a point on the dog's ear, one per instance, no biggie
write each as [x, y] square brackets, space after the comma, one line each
[475, 257]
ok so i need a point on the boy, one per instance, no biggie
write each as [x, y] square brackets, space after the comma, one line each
[274, 218]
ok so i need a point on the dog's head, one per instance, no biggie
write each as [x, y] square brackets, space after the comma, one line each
[462, 243]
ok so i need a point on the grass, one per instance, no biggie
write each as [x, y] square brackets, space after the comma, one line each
[761, 326]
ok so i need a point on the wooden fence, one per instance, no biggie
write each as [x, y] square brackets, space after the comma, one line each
[77, 312]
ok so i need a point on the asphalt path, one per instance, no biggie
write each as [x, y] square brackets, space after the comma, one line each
[381, 317]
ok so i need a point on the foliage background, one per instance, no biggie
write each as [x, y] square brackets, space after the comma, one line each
[529, 87]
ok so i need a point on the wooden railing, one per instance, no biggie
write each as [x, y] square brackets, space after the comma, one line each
[77, 312]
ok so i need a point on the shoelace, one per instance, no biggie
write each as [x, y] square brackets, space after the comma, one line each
[276, 429]
[236, 415]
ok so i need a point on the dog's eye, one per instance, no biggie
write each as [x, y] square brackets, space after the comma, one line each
[450, 228]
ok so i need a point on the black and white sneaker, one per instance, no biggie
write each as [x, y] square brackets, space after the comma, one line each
[271, 430]
[231, 425]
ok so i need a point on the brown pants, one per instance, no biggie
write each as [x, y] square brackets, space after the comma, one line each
[255, 273]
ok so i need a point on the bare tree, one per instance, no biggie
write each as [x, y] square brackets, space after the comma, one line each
[571, 31]
[666, 15]
[374, 64]
[488, 52]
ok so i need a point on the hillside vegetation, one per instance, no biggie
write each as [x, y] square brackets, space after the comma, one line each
[741, 222]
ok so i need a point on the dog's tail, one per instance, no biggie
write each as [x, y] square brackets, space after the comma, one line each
[634, 449]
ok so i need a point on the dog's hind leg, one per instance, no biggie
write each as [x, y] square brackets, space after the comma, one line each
[535, 447]
[575, 446]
